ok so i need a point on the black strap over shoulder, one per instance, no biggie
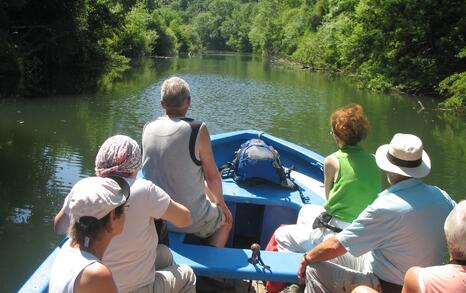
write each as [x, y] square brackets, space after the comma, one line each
[322, 221]
[195, 127]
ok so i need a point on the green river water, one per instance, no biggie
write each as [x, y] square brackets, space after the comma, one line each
[47, 144]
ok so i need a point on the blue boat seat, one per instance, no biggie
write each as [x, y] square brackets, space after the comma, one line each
[233, 262]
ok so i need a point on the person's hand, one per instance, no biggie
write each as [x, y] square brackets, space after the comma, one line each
[227, 213]
[302, 271]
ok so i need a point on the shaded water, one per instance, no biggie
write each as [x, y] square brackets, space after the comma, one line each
[47, 144]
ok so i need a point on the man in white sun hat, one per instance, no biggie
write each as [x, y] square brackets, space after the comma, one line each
[403, 227]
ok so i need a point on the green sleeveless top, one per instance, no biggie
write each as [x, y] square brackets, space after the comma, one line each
[356, 186]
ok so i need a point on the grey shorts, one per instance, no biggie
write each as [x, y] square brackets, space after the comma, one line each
[207, 223]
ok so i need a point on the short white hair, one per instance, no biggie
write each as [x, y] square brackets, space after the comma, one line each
[455, 229]
[174, 92]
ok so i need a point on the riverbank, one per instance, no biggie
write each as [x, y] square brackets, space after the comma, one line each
[444, 104]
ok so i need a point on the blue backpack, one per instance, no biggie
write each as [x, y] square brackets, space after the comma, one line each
[256, 162]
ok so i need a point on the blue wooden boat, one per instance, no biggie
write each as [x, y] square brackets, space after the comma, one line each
[257, 209]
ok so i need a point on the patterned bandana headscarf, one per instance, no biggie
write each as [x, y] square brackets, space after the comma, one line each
[119, 155]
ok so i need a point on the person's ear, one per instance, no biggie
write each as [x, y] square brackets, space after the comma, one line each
[111, 220]
[188, 102]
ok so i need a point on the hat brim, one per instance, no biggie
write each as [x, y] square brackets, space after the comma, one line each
[124, 186]
[416, 172]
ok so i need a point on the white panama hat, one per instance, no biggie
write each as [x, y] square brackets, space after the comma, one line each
[404, 155]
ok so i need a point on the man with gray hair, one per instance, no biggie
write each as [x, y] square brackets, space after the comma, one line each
[178, 157]
[401, 228]
[450, 277]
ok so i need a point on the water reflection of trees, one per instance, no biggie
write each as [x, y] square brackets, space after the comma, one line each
[450, 135]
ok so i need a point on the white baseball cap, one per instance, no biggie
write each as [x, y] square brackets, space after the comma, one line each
[97, 196]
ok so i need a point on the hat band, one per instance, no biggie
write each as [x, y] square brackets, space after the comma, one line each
[403, 163]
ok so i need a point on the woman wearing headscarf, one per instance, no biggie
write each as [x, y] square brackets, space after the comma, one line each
[137, 261]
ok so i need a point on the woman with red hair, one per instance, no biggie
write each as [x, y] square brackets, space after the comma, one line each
[352, 181]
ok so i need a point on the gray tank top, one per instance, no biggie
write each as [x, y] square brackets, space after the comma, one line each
[166, 161]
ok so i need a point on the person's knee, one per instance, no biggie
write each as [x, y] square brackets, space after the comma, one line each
[313, 280]
[363, 289]
[314, 270]
[227, 225]
[281, 234]
[188, 274]
[223, 231]
[334, 277]
[164, 257]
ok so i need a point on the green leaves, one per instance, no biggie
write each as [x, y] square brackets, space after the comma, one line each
[408, 45]
[454, 87]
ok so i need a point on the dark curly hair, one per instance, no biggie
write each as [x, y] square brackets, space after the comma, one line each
[350, 124]
[92, 227]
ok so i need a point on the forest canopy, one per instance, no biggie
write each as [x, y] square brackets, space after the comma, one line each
[416, 47]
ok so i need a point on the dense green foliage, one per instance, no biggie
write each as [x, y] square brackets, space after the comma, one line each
[455, 87]
[408, 45]
[392, 44]
[38, 38]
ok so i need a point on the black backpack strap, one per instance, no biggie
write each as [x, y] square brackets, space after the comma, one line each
[227, 170]
[195, 127]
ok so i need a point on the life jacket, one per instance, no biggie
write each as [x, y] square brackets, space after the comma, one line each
[257, 162]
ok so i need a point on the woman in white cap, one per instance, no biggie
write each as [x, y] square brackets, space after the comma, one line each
[138, 262]
[96, 208]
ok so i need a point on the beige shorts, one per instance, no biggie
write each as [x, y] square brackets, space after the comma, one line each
[175, 278]
[169, 277]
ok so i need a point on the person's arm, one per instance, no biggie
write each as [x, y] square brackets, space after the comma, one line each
[411, 282]
[61, 222]
[95, 278]
[209, 193]
[331, 166]
[212, 176]
[177, 214]
[327, 250]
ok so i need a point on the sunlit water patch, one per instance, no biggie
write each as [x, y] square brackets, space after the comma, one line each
[227, 103]
[67, 172]
[20, 215]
